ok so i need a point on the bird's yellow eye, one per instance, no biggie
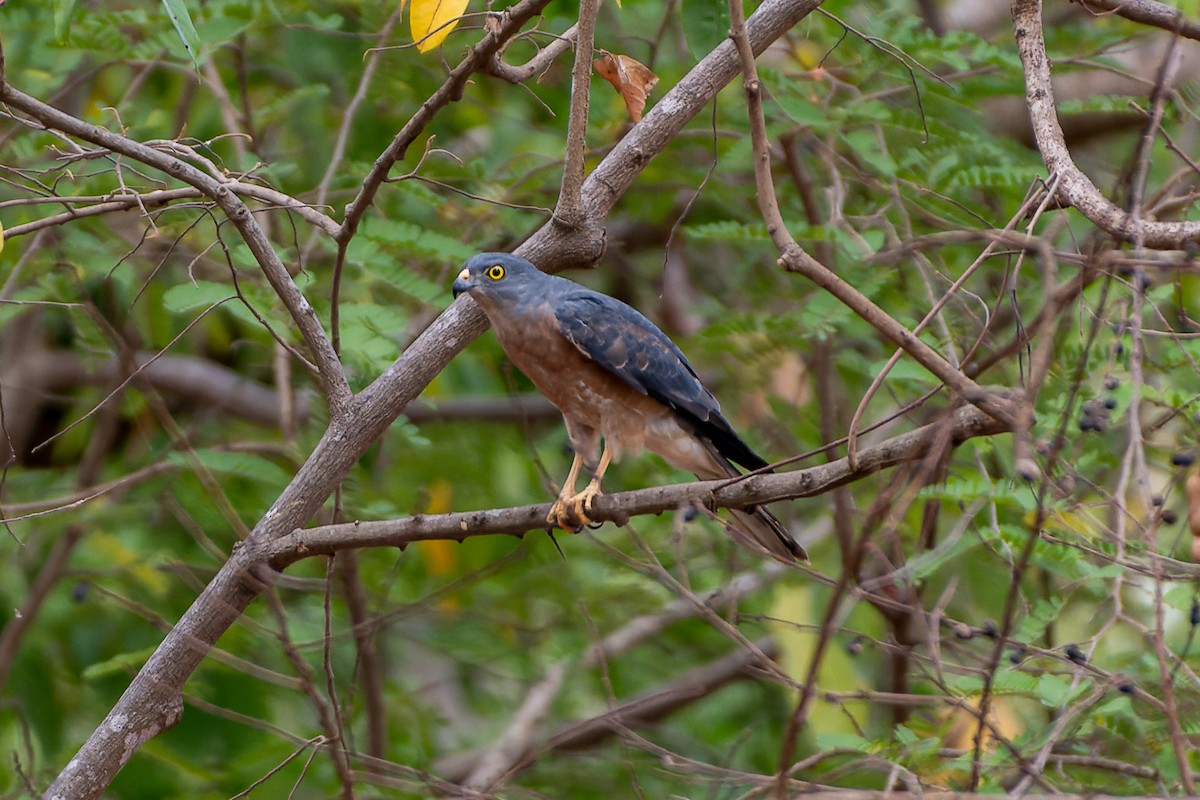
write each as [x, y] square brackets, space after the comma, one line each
[495, 272]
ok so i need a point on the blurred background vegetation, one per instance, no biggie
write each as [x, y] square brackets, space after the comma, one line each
[899, 140]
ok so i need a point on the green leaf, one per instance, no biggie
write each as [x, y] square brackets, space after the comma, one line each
[182, 20]
[803, 111]
[705, 25]
[120, 664]
[416, 238]
[838, 740]
[63, 9]
[245, 465]
[367, 336]
[187, 297]
[729, 230]
[1055, 691]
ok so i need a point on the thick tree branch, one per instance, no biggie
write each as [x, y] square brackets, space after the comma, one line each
[1075, 188]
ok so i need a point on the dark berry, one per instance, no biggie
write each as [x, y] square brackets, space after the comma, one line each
[1075, 654]
[1183, 459]
[1169, 517]
[1111, 383]
[1110, 402]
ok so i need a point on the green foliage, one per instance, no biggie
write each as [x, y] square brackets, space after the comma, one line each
[890, 164]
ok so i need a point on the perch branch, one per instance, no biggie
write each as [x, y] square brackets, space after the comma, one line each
[968, 422]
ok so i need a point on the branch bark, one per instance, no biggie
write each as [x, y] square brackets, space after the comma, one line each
[1074, 188]
[1149, 12]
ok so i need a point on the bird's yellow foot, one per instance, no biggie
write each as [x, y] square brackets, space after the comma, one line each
[570, 512]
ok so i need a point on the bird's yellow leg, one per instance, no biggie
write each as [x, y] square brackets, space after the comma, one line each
[570, 510]
[582, 502]
[560, 512]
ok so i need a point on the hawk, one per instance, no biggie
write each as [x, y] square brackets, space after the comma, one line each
[614, 376]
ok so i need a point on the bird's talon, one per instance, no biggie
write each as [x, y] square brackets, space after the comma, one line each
[563, 515]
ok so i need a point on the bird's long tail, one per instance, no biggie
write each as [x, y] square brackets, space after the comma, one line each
[754, 525]
[764, 529]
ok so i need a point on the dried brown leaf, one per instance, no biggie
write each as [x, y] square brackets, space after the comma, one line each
[631, 78]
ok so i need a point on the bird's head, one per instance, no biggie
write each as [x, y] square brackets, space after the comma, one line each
[495, 276]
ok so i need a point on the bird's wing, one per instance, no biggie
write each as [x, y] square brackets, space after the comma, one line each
[618, 338]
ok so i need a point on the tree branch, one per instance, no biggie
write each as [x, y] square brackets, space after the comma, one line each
[1074, 188]
[162, 197]
[569, 211]
[1149, 12]
[539, 63]
[748, 490]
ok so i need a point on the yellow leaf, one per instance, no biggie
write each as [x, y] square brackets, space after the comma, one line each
[1, 237]
[441, 555]
[432, 20]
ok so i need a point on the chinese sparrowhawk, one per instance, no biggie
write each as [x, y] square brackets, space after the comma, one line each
[614, 376]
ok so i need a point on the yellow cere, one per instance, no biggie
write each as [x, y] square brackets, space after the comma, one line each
[462, 276]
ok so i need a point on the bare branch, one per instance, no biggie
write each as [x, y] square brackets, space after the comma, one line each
[569, 211]
[536, 65]
[1149, 12]
[1074, 188]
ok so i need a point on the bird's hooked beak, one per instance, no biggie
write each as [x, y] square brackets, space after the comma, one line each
[462, 283]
